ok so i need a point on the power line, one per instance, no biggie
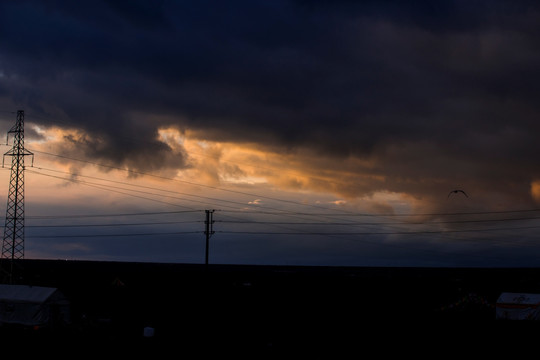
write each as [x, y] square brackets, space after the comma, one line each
[369, 224]
[109, 214]
[378, 232]
[334, 212]
[347, 214]
[375, 223]
[110, 188]
[113, 235]
[141, 186]
[289, 212]
[113, 224]
[189, 182]
[99, 186]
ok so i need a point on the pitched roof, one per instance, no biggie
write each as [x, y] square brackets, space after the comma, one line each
[25, 293]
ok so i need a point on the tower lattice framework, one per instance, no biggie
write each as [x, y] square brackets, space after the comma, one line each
[13, 242]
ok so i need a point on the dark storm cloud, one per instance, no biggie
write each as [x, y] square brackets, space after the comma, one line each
[343, 78]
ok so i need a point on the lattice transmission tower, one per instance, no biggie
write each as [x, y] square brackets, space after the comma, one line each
[13, 242]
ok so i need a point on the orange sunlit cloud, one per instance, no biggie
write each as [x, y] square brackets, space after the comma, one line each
[535, 190]
[354, 183]
[211, 163]
[349, 182]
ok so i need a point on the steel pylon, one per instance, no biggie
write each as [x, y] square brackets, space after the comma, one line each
[13, 241]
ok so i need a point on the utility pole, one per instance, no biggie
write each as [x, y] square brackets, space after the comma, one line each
[13, 242]
[208, 231]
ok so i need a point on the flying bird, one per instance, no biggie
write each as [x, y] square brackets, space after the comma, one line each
[457, 191]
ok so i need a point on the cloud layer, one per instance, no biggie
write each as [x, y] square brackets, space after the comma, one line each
[416, 98]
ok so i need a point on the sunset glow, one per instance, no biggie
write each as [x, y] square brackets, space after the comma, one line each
[318, 133]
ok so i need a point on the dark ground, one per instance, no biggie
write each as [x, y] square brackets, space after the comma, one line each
[277, 311]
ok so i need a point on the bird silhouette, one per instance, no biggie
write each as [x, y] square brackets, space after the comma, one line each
[457, 191]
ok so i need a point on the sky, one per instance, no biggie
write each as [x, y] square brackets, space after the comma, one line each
[325, 133]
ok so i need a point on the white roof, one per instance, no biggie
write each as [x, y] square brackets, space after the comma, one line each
[25, 293]
[519, 298]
